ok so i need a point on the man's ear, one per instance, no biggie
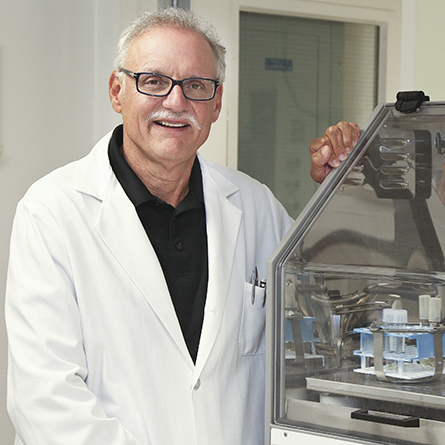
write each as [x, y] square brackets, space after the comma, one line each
[218, 104]
[115, 90]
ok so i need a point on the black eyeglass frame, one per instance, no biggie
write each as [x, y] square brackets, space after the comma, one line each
[175, 82]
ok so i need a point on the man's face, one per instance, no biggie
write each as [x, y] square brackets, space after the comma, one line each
[178, 54]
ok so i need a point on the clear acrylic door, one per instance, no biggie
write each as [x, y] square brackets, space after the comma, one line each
[360, 291]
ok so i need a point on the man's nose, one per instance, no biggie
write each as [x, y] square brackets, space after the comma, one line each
[176, 99]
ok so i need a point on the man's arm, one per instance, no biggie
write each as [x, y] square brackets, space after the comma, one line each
[332, 148]
[49, 401]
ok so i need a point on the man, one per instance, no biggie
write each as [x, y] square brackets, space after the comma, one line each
[129, 300]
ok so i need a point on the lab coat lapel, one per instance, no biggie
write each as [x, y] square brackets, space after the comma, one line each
[223, 223]
[119, 227]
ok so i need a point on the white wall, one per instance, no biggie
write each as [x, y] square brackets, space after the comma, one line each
[429, 67]
[55, 58]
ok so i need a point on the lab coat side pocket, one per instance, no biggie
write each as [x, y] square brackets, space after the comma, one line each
[252, 333]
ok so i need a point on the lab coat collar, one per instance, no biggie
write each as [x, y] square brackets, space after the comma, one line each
[223, 224]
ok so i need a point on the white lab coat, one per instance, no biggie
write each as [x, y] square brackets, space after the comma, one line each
[96, 351]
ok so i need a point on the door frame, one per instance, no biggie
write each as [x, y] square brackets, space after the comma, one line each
[387, 14]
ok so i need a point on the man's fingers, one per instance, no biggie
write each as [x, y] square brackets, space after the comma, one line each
[332, 148]
[320, 167]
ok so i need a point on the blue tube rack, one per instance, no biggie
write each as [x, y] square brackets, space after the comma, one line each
[402, 353]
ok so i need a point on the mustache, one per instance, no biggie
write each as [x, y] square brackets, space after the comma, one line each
[166, 114]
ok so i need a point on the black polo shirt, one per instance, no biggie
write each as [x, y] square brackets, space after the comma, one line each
[178, 236]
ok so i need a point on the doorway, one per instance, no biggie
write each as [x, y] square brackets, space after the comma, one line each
[297, 77]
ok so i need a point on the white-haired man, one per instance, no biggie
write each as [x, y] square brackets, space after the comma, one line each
[129, 309]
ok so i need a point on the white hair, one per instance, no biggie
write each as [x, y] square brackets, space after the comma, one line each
[171, 18]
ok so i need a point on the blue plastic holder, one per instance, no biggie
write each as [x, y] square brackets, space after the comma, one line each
[402, 353]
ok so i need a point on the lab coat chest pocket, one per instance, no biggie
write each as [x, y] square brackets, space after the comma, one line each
[252, 333]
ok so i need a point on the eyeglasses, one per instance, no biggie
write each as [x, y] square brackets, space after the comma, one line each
[158, 85]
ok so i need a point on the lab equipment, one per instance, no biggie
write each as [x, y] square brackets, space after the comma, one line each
[357, 293]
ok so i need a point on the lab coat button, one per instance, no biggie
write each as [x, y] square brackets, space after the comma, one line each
[197, 385]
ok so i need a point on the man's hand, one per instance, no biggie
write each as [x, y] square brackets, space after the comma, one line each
[328, 151]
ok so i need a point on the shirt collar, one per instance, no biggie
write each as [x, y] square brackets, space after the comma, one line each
[133, 186]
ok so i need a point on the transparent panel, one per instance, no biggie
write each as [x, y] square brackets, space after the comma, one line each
[297, 77]
[361, 291]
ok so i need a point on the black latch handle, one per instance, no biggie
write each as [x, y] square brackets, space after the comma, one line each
[386, 418]
[410, 101]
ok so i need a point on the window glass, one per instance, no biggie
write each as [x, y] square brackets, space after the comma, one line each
[297, 77]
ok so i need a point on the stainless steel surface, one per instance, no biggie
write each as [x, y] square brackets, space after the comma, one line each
[338, 418]
[357, 385]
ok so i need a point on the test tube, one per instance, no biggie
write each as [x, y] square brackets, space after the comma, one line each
[395, 318]
[434, 311]
[424, 305]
